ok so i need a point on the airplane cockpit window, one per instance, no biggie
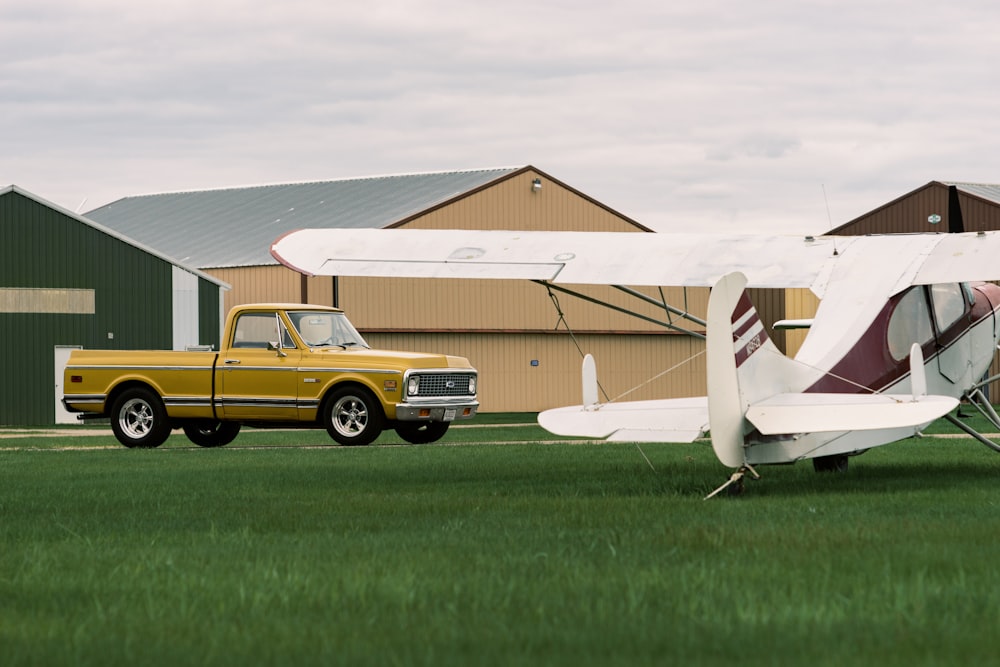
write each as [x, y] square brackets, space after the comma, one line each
[909, 323]
[949, 301]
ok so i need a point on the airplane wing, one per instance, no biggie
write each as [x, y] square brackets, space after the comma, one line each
[623, 258]
[667, 420]
[686, 419]
[806, 413]
[595, 258]
[959, 258]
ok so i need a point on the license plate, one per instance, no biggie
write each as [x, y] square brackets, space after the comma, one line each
[449, 415]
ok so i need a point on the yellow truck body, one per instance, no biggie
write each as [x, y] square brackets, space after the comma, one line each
[279, 365]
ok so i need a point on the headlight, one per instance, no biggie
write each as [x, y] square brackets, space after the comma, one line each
[472, 384]
[413, 385]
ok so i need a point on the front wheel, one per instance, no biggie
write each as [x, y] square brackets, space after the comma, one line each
[421, 433]
[211, 433]
[353, 416]
[138, 419]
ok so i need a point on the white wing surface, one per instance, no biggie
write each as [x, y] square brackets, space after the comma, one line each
[667, 420]
[623, 258]
[597, 258]
[961, 258]
[807, 413]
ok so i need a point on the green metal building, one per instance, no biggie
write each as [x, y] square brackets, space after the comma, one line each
[67, 282]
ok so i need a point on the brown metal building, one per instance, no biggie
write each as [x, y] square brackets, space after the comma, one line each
[526, 342]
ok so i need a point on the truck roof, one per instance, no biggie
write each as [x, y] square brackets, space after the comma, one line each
[286, 306]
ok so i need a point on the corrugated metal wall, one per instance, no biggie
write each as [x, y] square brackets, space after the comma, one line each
[800, 304]
[42, 247]
[513, 204]
[260, 284]
[910, 213]
[629, 367]
[375, 303]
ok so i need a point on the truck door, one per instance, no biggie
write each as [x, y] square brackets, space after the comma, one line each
[258, 370]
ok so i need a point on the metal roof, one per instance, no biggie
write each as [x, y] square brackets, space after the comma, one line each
[236, 226]
[982, 190]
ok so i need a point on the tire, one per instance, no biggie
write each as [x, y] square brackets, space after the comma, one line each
[836, 463]
[352, 416]
[138, 419]
[421, 433]
[211, 433]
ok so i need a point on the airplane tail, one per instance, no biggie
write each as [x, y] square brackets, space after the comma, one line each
[752, 385]
[744, 366]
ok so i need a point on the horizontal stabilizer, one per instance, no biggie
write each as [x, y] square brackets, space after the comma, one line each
[807, 413]
[669, 420]
[785, 325]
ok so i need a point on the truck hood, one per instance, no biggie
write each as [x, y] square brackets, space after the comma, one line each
[390, 358]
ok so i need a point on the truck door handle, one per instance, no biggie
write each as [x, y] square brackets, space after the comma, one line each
[232, 361]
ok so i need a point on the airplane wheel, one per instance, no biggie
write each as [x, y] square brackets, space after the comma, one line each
[421, 433]
[834, 463]
[211, 433]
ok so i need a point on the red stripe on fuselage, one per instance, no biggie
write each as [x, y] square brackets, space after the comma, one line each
[743, 308]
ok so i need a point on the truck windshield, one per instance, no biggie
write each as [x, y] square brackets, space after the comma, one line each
[325, 329]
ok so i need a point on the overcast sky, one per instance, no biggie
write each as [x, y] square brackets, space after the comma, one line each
[716, 115]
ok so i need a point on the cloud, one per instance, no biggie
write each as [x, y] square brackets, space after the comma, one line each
[715, 114]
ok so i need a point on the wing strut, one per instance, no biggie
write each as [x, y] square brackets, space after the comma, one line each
[979, 401]
[670, 309]
[586, 373]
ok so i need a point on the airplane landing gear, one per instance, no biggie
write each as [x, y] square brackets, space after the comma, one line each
[832, 463]
[734, 485]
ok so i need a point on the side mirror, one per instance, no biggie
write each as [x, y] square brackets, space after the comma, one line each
[276, 347]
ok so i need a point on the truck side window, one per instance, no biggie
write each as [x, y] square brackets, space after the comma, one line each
[256, 330]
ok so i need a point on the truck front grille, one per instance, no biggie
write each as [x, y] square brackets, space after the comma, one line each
[444, 384]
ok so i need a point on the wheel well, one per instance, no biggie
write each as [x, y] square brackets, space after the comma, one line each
[122, 388]
[349, 384]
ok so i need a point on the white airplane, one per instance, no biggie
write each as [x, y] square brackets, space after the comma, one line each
[902, 332]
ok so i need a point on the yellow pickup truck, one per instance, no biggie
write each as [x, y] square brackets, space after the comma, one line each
[279, 365]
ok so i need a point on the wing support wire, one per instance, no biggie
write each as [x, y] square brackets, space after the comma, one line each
[670, 310]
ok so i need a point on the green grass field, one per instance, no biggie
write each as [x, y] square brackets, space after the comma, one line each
[480, 552]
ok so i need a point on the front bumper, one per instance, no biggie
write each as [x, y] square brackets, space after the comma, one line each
[440, 411]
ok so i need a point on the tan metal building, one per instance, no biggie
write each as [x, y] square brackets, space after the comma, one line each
[526, 342]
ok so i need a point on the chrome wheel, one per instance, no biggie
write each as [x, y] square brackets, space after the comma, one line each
[353, 416]
[350, 416]
[138, 418]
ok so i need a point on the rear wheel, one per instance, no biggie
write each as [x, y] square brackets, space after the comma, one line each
[138, 419]
[421, 433]
[353, 416]
[211, 433]
[834, 463]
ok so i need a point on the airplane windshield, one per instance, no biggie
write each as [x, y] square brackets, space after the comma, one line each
[909, 323]
[326, 329]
